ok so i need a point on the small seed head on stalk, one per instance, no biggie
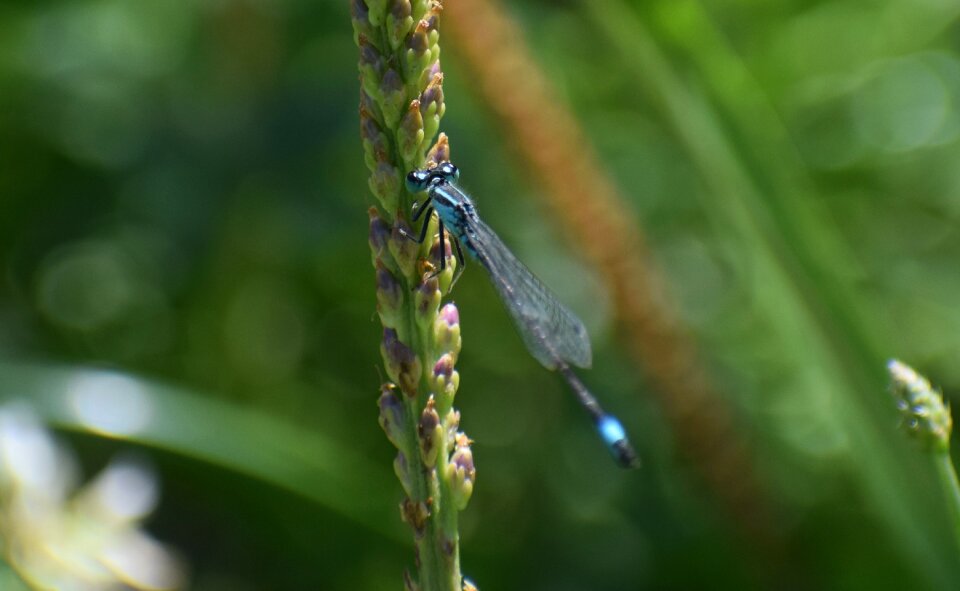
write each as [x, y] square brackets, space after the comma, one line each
[923, 414]
[401, 103]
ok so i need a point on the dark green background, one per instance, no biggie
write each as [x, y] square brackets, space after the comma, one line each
[183, 198]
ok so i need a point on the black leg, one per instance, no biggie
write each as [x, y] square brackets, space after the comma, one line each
[460, 258]
[443, 248]
[460, 267]
[423, 229]
[419, 210]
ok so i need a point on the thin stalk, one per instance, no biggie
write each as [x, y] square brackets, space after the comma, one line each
[951, 491]
[401, 103]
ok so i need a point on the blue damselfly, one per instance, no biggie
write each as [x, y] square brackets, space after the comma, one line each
[552, 333]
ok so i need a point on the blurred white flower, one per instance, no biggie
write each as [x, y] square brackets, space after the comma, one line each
[88, 539]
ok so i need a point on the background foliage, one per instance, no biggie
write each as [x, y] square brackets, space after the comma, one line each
[183, 199]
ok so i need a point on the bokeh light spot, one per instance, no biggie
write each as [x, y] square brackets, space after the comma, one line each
[109, 403]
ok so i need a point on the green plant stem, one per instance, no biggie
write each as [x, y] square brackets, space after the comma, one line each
[951, 490]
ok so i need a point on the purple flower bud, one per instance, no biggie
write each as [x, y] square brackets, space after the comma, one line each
[392, 415]
[444, 380]
[402, 365]
[431, 99]
[358, 10]
[361, 19]
[379, 235]
[444, 366]
[418, 41]
[450, 314]
[370, 58]
[461, 472]
[427, 300]
[410, 133]
[440, 152]
[430, 434]
[399, 22]
[446, 331]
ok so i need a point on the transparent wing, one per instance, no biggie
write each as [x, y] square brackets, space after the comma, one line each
[553, 334]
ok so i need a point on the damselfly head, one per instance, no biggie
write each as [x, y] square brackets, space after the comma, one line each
[448, 170]
[418, 180]
[421, 180]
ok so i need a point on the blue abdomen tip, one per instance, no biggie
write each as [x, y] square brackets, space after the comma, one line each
[615, 436]
[611, 430]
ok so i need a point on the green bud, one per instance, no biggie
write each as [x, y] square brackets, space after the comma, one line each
[394, 97]
[361, 20]
[371, 67]
[446, 331]
[404, 250]
[461, 473]
[402, 365]
[924, 415]
[410, 132]
[402, 469]
[379, 236]
[430, 434]
[377, 10]
[432, 107]
[376, 145]
[418, 51]
[385, 183]
[445, 277]
[399, 22]
[427, 301]
[444, 379]
[389, 297]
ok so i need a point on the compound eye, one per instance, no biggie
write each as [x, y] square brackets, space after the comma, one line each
[449, 171]
[417, 181]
